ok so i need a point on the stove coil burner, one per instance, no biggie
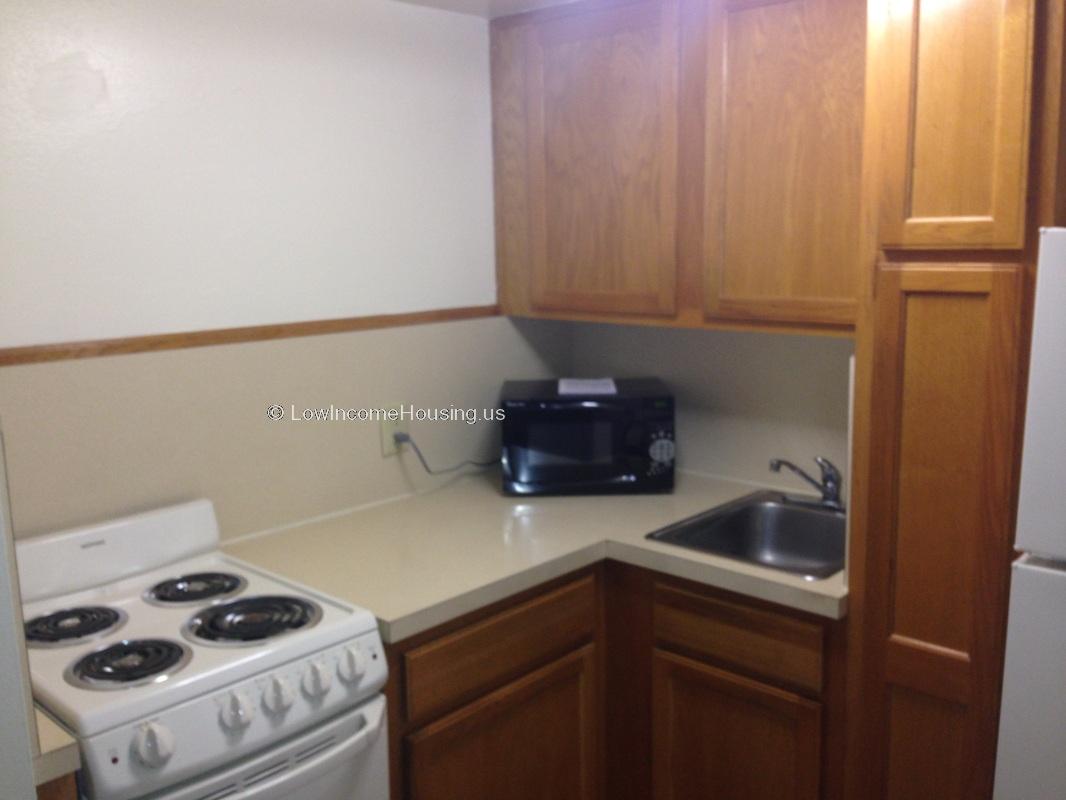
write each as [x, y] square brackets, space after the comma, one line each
[251, 620]
[133, 662]
[73, 625]
[195, 588]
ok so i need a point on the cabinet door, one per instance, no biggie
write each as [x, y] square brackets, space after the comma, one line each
[59, 789]
[783, 160]
[716, 734]
[602, 158]
[534, 739]
[954, 82]
[938, 528]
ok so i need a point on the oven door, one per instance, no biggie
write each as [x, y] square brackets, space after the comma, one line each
[345, 758]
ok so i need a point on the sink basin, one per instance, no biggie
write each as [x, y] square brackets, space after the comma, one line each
[769, 529]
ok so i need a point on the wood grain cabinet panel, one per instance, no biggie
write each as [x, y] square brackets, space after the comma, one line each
[474, 659]
[534, 739]
[753, 640]
[783, 159]
[602, 113]
[585, 131]
[939, 525]
[956, 106]
[718, 735]
[64, 788]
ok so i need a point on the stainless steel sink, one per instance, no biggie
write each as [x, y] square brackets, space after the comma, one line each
[769, 529]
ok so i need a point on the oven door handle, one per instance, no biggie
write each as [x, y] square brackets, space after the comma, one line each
[280, 786]
[368, 732]
[283, 776]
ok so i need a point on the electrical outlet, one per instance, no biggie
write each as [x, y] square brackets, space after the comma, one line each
[389, 428]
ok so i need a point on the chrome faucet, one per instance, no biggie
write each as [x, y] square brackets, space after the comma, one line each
[829, 485]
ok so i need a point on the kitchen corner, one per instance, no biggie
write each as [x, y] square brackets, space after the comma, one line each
[417, 562]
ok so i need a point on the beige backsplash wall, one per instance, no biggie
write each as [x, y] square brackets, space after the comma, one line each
[742, 398]
[96, 438]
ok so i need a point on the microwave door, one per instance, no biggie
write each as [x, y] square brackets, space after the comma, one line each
[568, 451]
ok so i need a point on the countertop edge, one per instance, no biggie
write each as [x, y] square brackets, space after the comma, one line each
[397, 630]
[58, 751]
[533, 542]
[831, 605]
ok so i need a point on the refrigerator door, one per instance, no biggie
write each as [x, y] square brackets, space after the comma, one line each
[18, 731]
[1042, 502]
[1031, 762]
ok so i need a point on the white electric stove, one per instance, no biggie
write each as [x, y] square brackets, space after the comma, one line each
[189, 675]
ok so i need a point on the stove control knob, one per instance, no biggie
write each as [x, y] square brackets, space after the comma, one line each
[317, 679]
[153, 745]
[236, 712]
[353, 665]
[279, 696]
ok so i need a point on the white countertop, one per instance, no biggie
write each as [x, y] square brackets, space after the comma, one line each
[57, 752]
[422, 560]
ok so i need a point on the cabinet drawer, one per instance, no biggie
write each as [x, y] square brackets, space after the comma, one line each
[753, 640]
[480, 657]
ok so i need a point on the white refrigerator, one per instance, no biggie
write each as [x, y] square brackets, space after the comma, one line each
[1031, 761]
[18, 733]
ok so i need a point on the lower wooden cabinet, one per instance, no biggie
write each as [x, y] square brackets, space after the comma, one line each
[505, 703]
[533, 739]
[721, 735]
[63, 788]
[617, 683]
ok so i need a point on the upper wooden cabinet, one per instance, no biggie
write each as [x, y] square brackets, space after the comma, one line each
[783, 159]
[955, 98]
[586, 109]
[680, 162]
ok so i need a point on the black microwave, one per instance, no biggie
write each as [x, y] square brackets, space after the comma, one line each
[587, 443]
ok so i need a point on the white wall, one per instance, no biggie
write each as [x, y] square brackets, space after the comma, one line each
[191, 164]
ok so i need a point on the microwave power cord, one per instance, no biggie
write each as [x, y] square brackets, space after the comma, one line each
[401, 439]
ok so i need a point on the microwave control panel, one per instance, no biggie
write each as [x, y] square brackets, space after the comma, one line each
[661, 451]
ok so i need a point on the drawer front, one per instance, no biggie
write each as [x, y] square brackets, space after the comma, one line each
[752, 640]
[475, 659]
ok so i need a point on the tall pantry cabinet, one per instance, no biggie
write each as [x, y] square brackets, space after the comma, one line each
[961, 151]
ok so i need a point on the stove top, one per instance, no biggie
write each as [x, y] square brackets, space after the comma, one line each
[138, 655]
[196, 587]
[128, 663]
[251, 620]
[73, 625]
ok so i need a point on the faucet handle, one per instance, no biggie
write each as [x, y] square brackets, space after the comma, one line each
[831, 481]
[830, 474]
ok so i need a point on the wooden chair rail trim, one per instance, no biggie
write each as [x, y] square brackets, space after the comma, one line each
[33, 354]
